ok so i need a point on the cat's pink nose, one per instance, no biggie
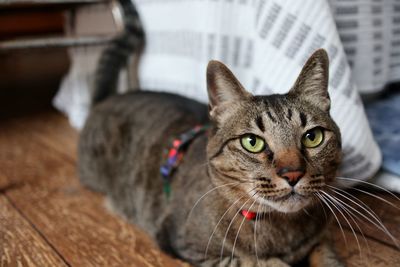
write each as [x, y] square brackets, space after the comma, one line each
[291, 176]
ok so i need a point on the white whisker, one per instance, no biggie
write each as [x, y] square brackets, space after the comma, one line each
[377, 197]
[240, 227]
[210, 191]
[337, 205]
[352, 216]
[230, 224]
[220, 220]
[354, 198]
[357, 202]
[337, 220]
[308, 214]
[323, 208]
[370, 184]
[255, 235]
[378, 222]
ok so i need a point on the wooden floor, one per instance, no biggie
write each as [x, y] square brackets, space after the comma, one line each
[48, 219]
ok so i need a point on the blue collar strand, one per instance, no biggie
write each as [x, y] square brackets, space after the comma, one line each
[174, 154]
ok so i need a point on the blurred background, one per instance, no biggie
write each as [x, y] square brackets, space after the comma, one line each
[34, 41]
[49, 50]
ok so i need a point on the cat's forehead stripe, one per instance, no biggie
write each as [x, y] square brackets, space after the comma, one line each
[289, 114]
[303, 119]
[279, 110]
[272, 118]
[260, 124]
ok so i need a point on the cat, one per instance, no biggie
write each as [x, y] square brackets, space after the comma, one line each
[245, 192]
[116, 54]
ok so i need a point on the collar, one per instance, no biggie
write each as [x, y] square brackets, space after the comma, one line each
[249, 215]
[174, 156]
[175, 153]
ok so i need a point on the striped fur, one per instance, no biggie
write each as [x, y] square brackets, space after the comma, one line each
[116, 54]
[120, 154]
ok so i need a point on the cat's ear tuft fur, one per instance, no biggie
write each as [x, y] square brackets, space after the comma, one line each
[223, 87]
[312, 83]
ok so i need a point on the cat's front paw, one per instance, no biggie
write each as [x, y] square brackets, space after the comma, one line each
[323, 256]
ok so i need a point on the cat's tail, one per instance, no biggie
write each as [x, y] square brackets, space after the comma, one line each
[115, 56]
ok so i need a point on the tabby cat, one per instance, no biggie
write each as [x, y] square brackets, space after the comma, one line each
[245, 191]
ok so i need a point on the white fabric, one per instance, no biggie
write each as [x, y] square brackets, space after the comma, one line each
[370, 33]
[265, 43]
[73, 98]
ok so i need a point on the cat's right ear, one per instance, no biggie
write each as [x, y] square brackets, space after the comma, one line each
[223, 88]
[312, 83]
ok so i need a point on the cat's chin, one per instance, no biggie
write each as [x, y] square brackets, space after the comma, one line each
[287, 204]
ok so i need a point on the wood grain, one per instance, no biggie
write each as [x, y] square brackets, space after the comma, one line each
[71, 218]
[20, 244]
[50, 128]
[4, 182]
[38, 174]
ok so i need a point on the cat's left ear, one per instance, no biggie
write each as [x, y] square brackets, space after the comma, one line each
[223, 87]
[312, 83]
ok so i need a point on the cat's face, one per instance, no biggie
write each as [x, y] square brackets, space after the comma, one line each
[277, 150]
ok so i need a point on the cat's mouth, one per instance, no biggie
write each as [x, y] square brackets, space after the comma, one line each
[291, 202]
[293, 195]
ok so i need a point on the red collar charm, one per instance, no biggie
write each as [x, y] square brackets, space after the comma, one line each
[249, 215]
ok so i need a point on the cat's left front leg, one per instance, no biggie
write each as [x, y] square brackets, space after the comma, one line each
[324, 256]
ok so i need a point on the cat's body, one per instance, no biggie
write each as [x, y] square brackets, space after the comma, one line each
[116, 143]
[259, 157]
[119, 157]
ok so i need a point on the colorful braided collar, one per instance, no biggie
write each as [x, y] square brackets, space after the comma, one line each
[174, 156]
[175, 153]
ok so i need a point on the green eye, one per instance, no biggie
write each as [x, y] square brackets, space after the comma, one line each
[313, 138]
[252, 143]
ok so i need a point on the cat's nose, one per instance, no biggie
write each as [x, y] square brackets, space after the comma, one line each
[291, 176]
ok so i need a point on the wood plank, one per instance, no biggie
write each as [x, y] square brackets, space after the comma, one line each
[11, 158]
[51, 128]
[5, 183]
[77, 224]
[373, 254]
[22, 159]
[71, 218]
[20, 244]
[74, 220]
